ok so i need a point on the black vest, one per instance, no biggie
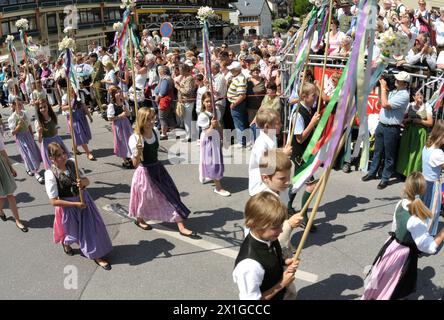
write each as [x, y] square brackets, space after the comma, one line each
[150, 151]
[66, 183]
[299, 149]
[118, 110]
[270, 259]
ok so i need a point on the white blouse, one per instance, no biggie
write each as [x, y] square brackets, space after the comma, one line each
[51, 182]
[134, 139]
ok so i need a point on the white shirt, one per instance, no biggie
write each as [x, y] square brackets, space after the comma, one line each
[110, 76]
[203, 120]
[440, 60]
[219, 86]
[110, 111]
[13, 119]
[262, 144]
[249, 275]
[200, 92]
[419, 231]
[134, 139]
[51, 182]
[300, 125]
[438, 26]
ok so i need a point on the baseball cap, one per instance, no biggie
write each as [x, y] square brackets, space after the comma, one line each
[402, 76]
[234, 65]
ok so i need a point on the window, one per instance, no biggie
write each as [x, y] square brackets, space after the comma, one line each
[51, 21]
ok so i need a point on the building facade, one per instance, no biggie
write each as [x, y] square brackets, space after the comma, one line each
[255, 17]
[95, 19]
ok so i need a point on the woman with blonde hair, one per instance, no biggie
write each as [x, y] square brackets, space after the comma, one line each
[394, 272]
[154, 196]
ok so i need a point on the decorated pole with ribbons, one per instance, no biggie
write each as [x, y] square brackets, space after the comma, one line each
[67, 46]
[204, 14]
[347, 96]
[23, 26]
[13, 59]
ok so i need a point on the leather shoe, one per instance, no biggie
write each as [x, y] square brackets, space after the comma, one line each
[24, 229]
[106, 267]
[3, 216]
[382, 185]
[368, 177]
[192, 235]
[69, 252]
[148, 227]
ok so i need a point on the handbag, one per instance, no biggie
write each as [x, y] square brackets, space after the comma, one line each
[180, 109]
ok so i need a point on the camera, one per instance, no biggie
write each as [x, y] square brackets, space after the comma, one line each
[389, 77]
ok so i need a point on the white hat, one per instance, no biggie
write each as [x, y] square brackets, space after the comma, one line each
[234, 65]
[402, 76]
[189, 63]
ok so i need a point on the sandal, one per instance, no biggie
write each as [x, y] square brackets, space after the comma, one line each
[30, 173]
[41, 180]
[148, 227]
[193, 235]
[91, 157]
[106, 267]
[24, 229]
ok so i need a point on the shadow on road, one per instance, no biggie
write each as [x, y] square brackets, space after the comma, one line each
[144, 251]
[235, 184]
[332, 288]
[105, 192]
[41, 222]
[343, 205]
[426, 289]
[103, 153]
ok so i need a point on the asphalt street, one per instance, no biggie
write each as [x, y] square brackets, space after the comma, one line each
[353, 222]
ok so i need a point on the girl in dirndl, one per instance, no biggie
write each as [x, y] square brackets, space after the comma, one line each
[75, 221]
[432, 165]
[154, 195]
[211, 164]
[394, 272]
[46, 127]
[118, 114]
[8, 186]
[20, 127]
[82, 131]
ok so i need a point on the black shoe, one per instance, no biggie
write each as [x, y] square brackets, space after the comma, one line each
[313, 228]
[382, 185]
[3, 216]
[106, 267]
[69, 252]
[24, 229]
[368, 177]
[346, 168]
[193, 235]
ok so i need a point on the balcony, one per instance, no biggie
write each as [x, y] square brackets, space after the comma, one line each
[177, 4]
[14, 7]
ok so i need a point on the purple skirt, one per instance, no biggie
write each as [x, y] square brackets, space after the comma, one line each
[393, 274]
[28, 150]
[122, 131]
[44, 149]
[82, 131]
[154, 195]
[211, 164]
[86, 228]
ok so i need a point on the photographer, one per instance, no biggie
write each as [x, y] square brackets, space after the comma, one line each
[388, 130]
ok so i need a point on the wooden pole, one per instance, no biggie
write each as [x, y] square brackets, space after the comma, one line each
[327, 45]
[74, 145]
[133, 70]
[321, 185]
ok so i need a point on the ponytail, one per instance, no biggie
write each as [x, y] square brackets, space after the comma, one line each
[415, 186]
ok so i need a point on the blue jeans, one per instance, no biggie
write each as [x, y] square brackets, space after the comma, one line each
[239, 115]
[386, 144]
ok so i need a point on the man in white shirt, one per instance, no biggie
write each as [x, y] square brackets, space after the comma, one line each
[438, 26]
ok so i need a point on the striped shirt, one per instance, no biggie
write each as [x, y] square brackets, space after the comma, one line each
[237, 88]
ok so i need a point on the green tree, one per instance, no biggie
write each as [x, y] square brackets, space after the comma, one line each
[282, 25]
[301, 7]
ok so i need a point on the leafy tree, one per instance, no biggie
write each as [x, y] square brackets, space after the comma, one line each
[282, 25]
[301, 7]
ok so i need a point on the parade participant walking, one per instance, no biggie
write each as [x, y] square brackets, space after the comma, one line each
[154, 195]
[211, 166]
[46, 127]
[394, 272]
[20, 126]
[82, 131]
[432, 165]
[118, 113]
[75, 221]
[8, 186]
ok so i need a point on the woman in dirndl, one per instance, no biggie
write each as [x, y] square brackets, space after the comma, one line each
[46, 127]
[75, 221]
[394, 271]
[154, 196]
[118, 113]
[20, 127]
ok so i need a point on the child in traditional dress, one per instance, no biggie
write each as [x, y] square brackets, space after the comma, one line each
[80, 222]
[269, 123]
[394, 272]
[118, 113]
[275, 169]
[46, 127]
[8, 186]
[154, 195]
[20, 126]
[211, 166]
[432, 165]
[82, 131]
[259, 267]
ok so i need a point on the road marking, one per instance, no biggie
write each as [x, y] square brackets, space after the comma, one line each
[203, 244]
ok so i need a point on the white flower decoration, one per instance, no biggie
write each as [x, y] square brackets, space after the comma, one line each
[22, 24]
[393, 44]
[67, 43]
[68, 29]
[205, 13]
[128, 4]
[9, 38]
[118, 26]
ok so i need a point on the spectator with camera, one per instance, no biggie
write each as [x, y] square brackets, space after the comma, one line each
[394, 105]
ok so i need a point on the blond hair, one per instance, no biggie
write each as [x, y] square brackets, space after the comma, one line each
[143, 115]
[266, 116]
[436, 134]
[264, 210]
[308, 88]
[415, 186]
[273, 161]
